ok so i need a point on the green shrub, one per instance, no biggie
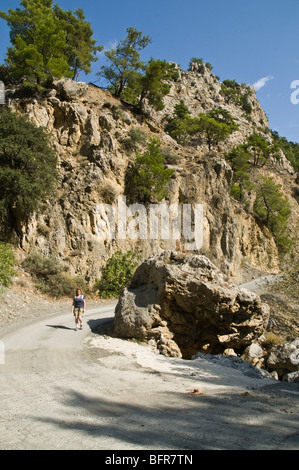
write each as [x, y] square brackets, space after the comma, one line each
[27, 169]
[7, 263]
[42, 266]
[63, 285]
[135, 138]
[117, 273]
[51, 276]
[245, 104]
[170, 157]
[274, 210]
[148, 178]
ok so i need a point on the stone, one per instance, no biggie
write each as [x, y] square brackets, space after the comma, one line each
[291, 377]
[107, 142]
[274, 375]
[70, 90]
[253, 353]
[126, 118]
[280, 358]
[105, 122]
[229, 352]
[201, 310]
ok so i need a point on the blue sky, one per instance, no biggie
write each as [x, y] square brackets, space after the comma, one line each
[251, 41]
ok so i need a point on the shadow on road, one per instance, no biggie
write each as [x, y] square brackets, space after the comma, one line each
[182, 422]
[101, 326]
[61, 327]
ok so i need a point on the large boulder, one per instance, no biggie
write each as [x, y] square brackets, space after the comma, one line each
[70, 90]
[186, 305]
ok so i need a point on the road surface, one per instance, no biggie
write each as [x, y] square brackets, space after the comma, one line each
[81, 390]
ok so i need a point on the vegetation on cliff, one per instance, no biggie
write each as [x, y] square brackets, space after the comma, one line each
[147, 178]
[7, 264]
[48, 42]
[27, 169]
[51, 276]
[270, 205]
[213, 127]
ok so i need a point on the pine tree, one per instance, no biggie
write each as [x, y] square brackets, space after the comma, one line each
[38, 43]
[27, 169]
[239, 159]
[274, 210]
[151, 85]
[181, 111]
[213, 131]
[182, 125]
[260, 149]
[81, 48]
[149, 176]
[125, 61]
[48, 43]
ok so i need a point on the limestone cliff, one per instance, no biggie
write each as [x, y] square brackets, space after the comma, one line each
[89, 130]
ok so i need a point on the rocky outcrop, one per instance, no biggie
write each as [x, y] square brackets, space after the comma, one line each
[201, 92]
[186, 305]
[69, 90]
[88, 128]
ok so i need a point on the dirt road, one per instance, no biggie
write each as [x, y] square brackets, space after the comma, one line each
[66, 389]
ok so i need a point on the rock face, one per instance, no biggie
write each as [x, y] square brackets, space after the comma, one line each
[90, 130]
[186, 305]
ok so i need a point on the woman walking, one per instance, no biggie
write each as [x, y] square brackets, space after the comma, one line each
[78, 308]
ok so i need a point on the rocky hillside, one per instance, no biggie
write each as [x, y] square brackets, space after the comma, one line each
[92, 134]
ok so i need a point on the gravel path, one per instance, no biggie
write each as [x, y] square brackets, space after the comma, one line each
[66, 389]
